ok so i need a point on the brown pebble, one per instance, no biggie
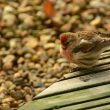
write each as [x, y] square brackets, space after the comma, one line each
[5, 106]
[28, 97]
[18, 74]
[20, 60]
[18, 95]
[14, 104]
[28, 90]
[7, 65]
[7, 100]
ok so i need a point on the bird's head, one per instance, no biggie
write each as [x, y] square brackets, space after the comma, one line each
[67, 39]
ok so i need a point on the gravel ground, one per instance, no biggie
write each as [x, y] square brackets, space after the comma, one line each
[29, 43]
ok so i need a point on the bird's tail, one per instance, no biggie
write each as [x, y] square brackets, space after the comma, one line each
[105, 44]
[103, 34]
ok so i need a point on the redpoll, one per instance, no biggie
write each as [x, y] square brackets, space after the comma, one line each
[84, 48]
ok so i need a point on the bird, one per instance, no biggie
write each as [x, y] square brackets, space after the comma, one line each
[83, 48]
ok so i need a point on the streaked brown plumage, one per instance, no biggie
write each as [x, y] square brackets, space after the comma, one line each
[84, 48]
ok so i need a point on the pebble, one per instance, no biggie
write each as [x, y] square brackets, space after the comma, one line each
[27, 19]
[14, 104]
[96, 21]
[28, 97]
[7, 100]
[18, 74]
[7, 65]
[12, 43]
[20, 60]
[18, 95]
[29, 22]
[61, 60]
[28, 90]
[10, 19]
[2, 89]
[45, 38]
[51, 52]
[98, 4]
[42, 56]
[31, 42]
[38, 90]
[9, 58]
[2, 96]
[49, 45]
[38, 84]
[5, 106]
[8, 10]
[27, 55]
[66, 27]
[9, 85]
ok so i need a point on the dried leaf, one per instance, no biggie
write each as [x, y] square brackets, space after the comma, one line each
[48, 8]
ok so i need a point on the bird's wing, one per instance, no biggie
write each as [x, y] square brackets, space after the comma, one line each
[86, 46]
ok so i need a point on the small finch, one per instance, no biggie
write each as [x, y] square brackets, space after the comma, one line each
[84, 48]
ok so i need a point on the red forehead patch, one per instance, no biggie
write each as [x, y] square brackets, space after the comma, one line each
[63, 38]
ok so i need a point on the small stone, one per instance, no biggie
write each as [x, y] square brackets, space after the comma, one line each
[38, 90]
[98, 4]
[31, 42]
[12, 43]
[10, 19]
[27, 19]
[47, 84]
[7, 65]
[57, 20]
[51, 52]
[96, 21]
[61, 60]
[28, 97]
[45, 38]
[20, 60]
[38, 84]
[35, 58]
[9, 85]
[9, 58]
[14, 104]
[8, 10]
[20, 52]
[18, 95]
[49, 45]
[5, 106]
[2, 96]
[18, 74]
[27, 55]
[9, 34]
[2, 89]
[18, 81]
[42, 56]
[7, 100]
[28, 90]
[38, 66]
[66, 27]
[52, 80]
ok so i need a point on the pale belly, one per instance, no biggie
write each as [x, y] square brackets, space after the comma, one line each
[84, 60]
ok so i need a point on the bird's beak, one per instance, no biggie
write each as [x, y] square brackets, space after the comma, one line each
[63, 47]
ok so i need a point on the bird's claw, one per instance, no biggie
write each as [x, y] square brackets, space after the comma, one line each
[85, 78]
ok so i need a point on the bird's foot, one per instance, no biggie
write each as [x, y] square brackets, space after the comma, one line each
[76, 69]
[85, 78]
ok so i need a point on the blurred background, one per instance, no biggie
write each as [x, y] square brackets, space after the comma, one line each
[29, 42]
